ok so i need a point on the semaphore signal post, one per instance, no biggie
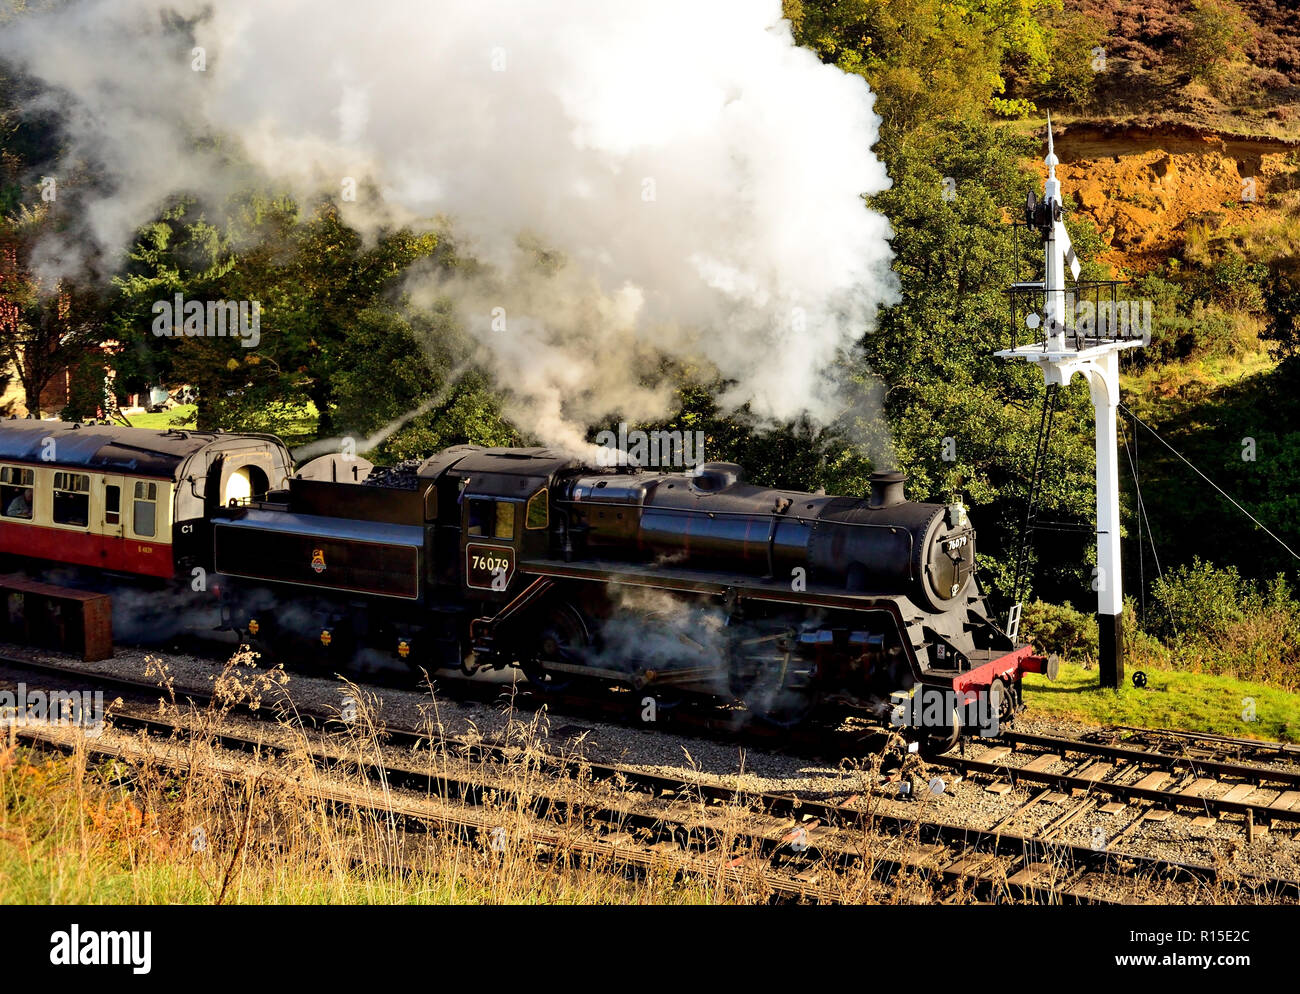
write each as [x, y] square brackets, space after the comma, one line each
[1082, 327]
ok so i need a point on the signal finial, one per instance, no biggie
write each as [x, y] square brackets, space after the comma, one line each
[1051, 160]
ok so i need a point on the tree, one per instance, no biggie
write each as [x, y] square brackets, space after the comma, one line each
[1281, 290]
[44, 330]
[928, 59]
[403, 378]
[964, 422]
[1216, 43]
[1076, 49]
[310, 275]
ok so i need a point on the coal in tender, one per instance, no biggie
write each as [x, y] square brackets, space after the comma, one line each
[403, 476]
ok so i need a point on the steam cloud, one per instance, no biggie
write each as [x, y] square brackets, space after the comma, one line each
[700, 176]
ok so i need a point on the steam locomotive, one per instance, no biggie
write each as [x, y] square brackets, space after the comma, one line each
[801, 606]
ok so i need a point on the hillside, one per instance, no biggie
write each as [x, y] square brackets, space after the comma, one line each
[1155, 73]
[1153, 191]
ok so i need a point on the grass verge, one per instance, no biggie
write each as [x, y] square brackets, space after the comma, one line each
[1194, 702]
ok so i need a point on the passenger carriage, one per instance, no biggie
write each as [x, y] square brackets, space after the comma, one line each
[127, 500]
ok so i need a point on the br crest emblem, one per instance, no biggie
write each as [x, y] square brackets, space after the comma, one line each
[318, 560]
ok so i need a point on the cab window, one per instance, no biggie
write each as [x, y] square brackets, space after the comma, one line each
[144, 509]
[482, 516]
[536, 515]
[505, 523]
[71, 499]
[17, 491]
[491, 518]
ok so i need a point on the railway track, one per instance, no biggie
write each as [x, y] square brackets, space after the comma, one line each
[1211, 745]
[791, 835]
[465, 822]
[1206, 787]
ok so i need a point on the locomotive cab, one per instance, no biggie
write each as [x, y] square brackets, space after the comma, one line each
[493, 513]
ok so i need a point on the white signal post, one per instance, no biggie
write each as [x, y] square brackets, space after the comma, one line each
[1095, 355]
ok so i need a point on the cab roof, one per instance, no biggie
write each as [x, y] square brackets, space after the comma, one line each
[475, 459]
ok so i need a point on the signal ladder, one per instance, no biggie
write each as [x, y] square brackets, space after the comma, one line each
[1050, 404]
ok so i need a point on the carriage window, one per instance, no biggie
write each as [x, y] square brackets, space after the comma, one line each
[144, 509]
[16, 491]
[537, 515]
[71, 499]
[112, 504]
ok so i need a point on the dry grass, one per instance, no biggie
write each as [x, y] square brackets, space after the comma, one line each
[186, 822]
[222, 830]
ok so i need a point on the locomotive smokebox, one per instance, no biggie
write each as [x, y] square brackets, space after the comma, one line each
[886, 488]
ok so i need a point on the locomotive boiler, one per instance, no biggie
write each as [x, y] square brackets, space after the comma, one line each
[712, 518]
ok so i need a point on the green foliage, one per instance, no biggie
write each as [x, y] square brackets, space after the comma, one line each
[963, 422]
[1281, 297]
[1217, 621]
[1060, 629]
[1203, 313]
[1198, 600]
[312, 276]
[1204, 332]
[469, 412]
[929, 60]
[1231, 282]
[85, 389]
[1071, 78]
[1215, 46]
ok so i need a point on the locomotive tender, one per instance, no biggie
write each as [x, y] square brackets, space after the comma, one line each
[799, 605]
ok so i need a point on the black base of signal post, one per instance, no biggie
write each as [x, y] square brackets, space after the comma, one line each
[1110, 655]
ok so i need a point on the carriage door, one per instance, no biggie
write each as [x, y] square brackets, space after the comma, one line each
[112, 518]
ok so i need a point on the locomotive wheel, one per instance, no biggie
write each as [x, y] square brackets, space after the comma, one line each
[945, 740]
[563, 638]
[1006, 698]
[768, 676]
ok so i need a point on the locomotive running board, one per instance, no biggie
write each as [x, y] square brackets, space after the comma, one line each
[732, 588]
[719, 584]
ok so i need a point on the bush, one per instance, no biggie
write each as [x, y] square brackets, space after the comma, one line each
[1060, 629]
[1214, 49]
[1197, 600]
[1217, 622]
[1231, 283]
[1206, 332]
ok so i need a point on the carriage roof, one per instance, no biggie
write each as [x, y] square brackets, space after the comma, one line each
[105, 448]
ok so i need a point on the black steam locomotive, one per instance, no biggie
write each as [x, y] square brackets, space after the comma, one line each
[801, 606]
[695, 583]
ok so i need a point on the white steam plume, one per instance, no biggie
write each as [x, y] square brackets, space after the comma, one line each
[701, 176]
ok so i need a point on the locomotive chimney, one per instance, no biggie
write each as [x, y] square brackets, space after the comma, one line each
[886, 488]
